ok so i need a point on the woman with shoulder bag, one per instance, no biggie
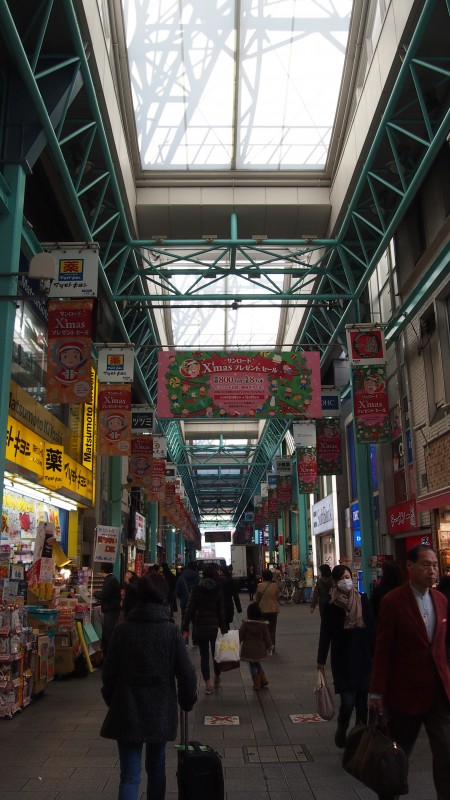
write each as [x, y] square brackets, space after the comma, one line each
[266, 596]
[347, 626]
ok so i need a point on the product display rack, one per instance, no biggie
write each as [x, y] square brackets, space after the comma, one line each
[16, 645]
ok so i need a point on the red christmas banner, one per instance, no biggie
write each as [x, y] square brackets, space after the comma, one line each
[370, 403]
[69, 351]
[329, 446]
[307, 470]
[114, 419]
[284, 490]
[141, 461]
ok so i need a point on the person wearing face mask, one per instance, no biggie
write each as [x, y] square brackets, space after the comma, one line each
[348, 628]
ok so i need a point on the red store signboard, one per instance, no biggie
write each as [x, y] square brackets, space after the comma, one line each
[403, 517]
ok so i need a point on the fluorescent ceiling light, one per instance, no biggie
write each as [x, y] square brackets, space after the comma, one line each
[41, 495]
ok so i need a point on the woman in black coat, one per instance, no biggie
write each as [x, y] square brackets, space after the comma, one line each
[347, 625]
[230, 591]
[146, 668]
[206, 611]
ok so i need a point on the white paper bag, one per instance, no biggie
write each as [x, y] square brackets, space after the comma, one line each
[227, 650]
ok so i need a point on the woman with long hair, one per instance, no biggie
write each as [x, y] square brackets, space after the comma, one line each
[347, 627]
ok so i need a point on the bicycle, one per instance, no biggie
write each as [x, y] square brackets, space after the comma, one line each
[299, 592]
[287, 590]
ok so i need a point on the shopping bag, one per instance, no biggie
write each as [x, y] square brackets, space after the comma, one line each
[324, 698]
[227, 651]
[377, 761]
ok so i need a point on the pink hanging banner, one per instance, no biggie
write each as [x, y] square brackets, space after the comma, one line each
[221, 384]
[329, 446]
[370, 402]
[114, 419]
[69, 351]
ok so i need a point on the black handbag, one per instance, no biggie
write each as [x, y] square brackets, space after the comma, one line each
[377, 761]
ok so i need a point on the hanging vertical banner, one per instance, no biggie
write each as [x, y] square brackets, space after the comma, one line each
[307, 470]
[156, 491]
[370, 402]
[114, 420]
[366, 344]
[329, 446]
[69, 351]
[115, 363]
[141, 461]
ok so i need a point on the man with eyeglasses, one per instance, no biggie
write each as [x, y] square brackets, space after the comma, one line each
[410, 674]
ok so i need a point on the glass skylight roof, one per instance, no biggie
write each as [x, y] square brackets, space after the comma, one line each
[222, 85]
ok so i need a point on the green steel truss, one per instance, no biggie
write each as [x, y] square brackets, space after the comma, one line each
[329, 276]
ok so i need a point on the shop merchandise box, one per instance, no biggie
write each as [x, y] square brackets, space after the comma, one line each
[64, 660]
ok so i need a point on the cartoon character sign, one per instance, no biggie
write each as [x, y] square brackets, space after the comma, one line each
[70, 356]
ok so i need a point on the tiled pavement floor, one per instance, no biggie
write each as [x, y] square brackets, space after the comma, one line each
[52, 749]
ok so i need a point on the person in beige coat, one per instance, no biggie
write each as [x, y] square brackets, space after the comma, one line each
[267, 598]
[256, 644]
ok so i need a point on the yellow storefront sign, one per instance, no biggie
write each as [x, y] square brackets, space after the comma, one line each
[24, 448]
[53, 467]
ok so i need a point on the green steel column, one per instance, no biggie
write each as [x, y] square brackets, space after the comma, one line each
[152, 521]
[170, 542]
[180, 548]
[115, 503]
[10, 237]
[365, 501]
[302, 505]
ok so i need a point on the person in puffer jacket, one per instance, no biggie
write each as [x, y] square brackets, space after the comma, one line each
[146, 670]
[256, 644]
[206, 611]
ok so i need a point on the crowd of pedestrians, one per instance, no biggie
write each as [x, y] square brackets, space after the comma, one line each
[388, 654]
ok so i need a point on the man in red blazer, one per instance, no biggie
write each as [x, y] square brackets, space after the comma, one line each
[410, 674]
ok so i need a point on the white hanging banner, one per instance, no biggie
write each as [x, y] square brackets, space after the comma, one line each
[115, 363]
[76, 269]
[160, 447]
[304, 434]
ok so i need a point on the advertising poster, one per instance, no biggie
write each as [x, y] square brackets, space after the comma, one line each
[114, 420]
[106, 543]
[69, 351]
[329, 446]
[370, 402]
[220, 385]
[45, 536]
[307, 470]
[5, 558]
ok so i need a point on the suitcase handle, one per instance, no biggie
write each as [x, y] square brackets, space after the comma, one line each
[183, 729]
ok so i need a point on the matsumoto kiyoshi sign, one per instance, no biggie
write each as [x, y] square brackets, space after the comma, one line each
[221, 384]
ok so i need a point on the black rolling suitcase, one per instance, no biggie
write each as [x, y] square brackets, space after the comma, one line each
[199, 770]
